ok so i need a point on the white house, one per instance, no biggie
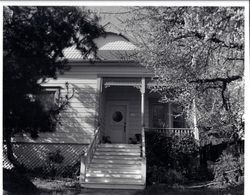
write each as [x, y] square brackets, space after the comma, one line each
[104, 123]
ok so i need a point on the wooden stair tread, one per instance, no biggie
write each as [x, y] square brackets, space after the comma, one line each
[113, 175]
[113, 180]
[104, 157]
[118, 150]
[116, 161]
[115, 166]
[113, 186]
[119, 146]
[118, 171]
[118, 153]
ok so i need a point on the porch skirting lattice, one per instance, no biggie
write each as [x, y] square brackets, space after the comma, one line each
[43, 158]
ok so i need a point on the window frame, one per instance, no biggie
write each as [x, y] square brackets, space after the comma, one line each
[169, 118]
[56, 90]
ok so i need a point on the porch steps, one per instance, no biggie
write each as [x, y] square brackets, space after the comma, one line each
[118, 153]
[113, 171]
[115, 166]
[118, 157]
[116, 161]
[129, 150]
[135, 146]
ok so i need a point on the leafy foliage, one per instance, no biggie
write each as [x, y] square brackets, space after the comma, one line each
[14, 182]
[33, 43]
[55, 157]
[171, 159]
[196, 53]
[229, 170]
[56, 171]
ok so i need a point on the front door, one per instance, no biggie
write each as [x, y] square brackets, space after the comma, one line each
[116, 122]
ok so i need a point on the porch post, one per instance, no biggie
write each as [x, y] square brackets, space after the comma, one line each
[142, 102]
[98, 102]
[170, 123]
[196, 131]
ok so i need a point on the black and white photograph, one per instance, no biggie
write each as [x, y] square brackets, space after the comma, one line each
[138, 98]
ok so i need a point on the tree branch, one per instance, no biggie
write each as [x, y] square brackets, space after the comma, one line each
[212, 39]
[223, 87]
[224, 101]
[226, 80]
[231, 45]
[237, 59]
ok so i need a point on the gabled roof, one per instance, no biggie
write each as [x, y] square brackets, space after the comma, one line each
[111, 46]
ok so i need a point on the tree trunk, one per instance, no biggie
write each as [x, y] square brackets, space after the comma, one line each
[11, 156]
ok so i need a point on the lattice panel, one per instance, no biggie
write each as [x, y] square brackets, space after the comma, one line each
[6, 163]
[34, 156]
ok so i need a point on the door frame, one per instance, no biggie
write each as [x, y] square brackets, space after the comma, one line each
[117, 103]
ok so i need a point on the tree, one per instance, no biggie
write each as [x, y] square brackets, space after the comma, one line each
[197, 54]
[33, 41]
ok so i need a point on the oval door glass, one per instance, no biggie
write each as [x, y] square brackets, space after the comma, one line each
[117, 116]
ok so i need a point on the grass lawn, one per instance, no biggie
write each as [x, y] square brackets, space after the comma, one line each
[72, 187]
[49, 187]
[163, 189]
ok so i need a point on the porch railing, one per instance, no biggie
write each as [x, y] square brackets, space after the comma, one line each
[173, 131]
[88, 155]
[143, 156]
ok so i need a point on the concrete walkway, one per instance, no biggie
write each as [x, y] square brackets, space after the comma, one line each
[106, 192]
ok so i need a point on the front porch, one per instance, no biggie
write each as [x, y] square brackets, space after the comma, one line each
[126, 105]
[126, 109]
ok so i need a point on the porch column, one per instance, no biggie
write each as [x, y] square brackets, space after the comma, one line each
[142, 102]
[196, 131]
[170, 119]
[98, 102]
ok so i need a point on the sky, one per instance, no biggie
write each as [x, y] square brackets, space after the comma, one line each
[111, 17]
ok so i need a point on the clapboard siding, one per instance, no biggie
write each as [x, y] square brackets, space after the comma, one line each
[77, 121]
[82, 82]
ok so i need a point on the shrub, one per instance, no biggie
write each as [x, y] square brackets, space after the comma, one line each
[185, 153]
[229, 169]
[156, 174]
[47, 171]
[71, 171]
[55, 157]
[171, 159]
[54, 161]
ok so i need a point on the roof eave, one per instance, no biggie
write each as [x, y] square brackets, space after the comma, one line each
[83, 62]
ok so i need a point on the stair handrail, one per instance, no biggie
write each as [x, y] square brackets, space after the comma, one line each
[88, 155]
[143, 155]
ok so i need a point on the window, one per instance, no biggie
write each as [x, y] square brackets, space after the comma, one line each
[49, 97]
[117, 116]
[178, 117]
[159, 115]
[165, 115]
